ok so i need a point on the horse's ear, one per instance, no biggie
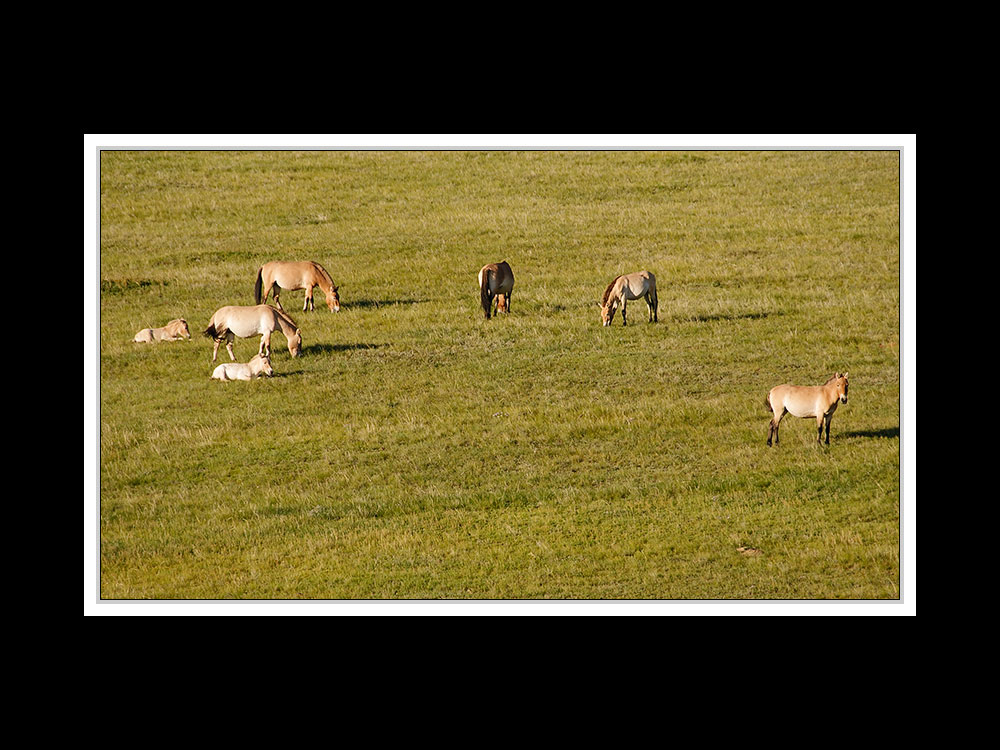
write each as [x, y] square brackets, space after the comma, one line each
[845, 374]
[336, 288]
[837, 376]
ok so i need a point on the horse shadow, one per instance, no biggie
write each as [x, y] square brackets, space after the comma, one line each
[331, 348]
[891, 433]
[707, 318]
[377, 303]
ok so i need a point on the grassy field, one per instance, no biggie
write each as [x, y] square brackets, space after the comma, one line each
[416, 450]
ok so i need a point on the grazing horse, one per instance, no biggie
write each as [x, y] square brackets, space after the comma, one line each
[256, 367]
[628, 287]
[172, 331]
[819, 401]
[495, 280]
[233, 320]
[278, 275]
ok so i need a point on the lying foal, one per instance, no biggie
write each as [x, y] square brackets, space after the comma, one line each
[256, 367]
[172, 331]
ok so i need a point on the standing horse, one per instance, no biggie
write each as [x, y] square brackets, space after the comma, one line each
[495, 280]
[819, 401]
[628, 287]
[233, 320]
[172, 331]
[256, 367]
[278, 275]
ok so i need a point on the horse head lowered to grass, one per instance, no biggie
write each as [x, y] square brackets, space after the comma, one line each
[496, 281]
[305, 274]
[233, 320]
[628, 287]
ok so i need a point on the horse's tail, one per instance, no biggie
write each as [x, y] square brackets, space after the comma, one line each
[767, 402]
[484, 291]
[259, 286]
[214, 331]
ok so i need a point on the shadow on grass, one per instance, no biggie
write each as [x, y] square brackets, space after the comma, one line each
[889, 432]
[727, 316]
[377, 303]
[328, 348]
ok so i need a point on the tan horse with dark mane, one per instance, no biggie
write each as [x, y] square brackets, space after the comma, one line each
[496, 280]
[234, 320]
[279, 274]
[172, 331]
[628, 287]
[819, 401]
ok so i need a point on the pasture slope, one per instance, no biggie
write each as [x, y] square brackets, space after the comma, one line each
[418, 451]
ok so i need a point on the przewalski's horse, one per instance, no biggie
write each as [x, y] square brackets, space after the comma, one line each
[278, 275]
[233, 320]
[172, 331]
[256, 367]
[628, 287]
[495, 280]
[819, 401]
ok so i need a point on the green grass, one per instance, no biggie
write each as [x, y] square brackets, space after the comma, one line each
[418, 451]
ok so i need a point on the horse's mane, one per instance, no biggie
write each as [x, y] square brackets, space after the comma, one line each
[607, 292]
[325, 273]
[832, 378]
[285, 316]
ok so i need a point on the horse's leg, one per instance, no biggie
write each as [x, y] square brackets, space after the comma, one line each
[507, 301]
[215, 351]
[308, 302]
[624, 321]
[777, 423]
[649, 304]
[277, 290]
[264, 349]
[230, 338]
[819, 429]
[827, 420]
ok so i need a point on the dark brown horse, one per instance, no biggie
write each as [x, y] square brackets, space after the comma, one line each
[495, 281]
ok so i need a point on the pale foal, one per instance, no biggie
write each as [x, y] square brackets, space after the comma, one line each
[256, 367]
[172, 331]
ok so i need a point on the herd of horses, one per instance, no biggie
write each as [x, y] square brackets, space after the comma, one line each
[496, 283]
